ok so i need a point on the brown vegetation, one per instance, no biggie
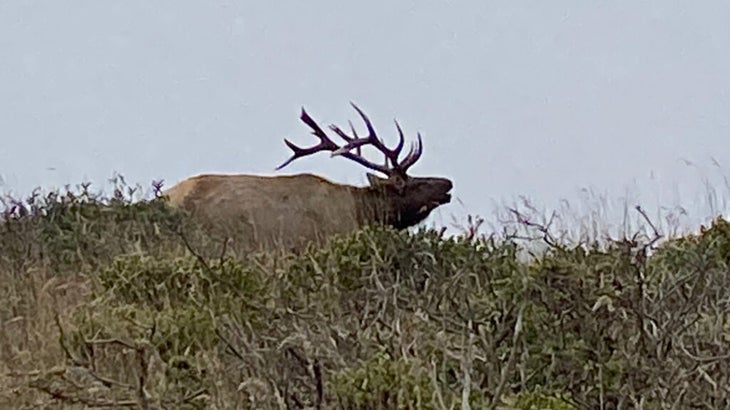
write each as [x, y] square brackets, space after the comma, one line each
[108, 303]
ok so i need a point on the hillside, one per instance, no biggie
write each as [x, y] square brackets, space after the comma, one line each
[110, 303]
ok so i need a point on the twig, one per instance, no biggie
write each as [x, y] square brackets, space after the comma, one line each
[139, 349]
[655, 231]
[58, 395]
[62, 341]
[189, 247]
[193, 395]
[466, 364]
[121, 342]
[223, 251]
[230, 346]
[507, 369]
[141, 395]
[319, 383]
[436, 388]
[547, 237]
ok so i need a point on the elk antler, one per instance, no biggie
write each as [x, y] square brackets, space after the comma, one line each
[354, 142]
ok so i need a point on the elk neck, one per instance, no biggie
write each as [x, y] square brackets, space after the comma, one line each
[374, 206]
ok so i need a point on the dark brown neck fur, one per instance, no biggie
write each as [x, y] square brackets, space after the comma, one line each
[374, 207]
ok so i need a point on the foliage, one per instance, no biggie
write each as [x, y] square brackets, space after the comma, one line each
[127, 303]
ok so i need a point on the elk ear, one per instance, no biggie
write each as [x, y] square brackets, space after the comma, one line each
[375, 180]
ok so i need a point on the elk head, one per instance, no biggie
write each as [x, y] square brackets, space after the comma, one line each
[409, 200]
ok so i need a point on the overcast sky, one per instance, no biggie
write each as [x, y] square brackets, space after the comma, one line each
[541, 99]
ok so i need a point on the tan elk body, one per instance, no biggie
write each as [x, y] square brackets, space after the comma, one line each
[291, 211]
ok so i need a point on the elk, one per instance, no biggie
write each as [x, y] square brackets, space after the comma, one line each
[292, 211]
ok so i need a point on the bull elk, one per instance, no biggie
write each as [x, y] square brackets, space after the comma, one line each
[291, 211]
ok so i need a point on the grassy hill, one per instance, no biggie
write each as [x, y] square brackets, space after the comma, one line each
[110, 303]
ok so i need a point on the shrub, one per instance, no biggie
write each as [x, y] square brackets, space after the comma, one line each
[377, 319]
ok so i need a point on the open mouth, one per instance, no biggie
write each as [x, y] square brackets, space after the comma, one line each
[443, 200]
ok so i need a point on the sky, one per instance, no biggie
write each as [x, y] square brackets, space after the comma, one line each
[561, 102]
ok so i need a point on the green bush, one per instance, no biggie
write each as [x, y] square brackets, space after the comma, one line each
[170, 282]
[377, 319]
[385, 383]
[166, 350]
[539, 399]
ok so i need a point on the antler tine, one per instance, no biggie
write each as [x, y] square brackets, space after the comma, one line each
[354, 142]
[373, 139]
[391, 167]
[413, 155]
[343, 135]
[401, 140]
[354, 134]
[391, 155]
[325, 143]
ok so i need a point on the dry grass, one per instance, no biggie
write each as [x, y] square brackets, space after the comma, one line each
[114, 304]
